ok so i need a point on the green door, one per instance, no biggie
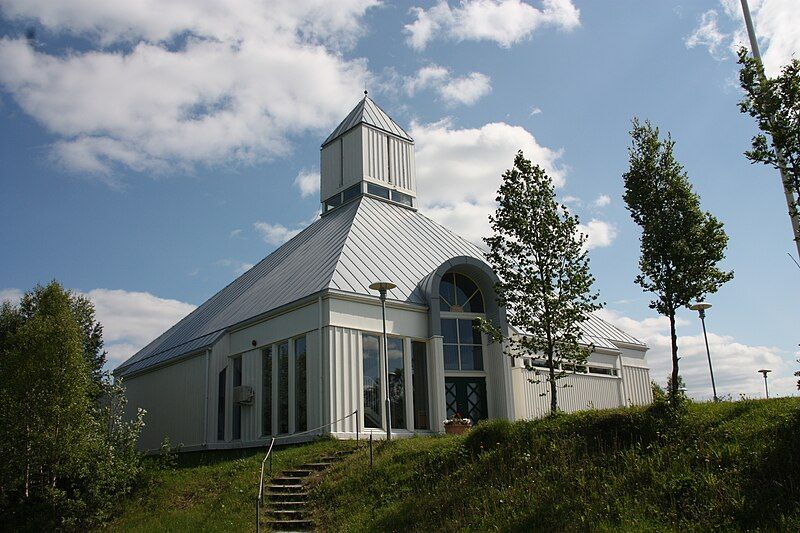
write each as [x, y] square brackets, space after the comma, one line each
[467, 397]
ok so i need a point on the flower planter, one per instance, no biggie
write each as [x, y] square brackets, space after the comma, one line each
[456, 429]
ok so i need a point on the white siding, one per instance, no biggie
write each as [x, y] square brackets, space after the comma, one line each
[401, 161]
[331, 169]
[637, 385]
[376, 162]
[353, 164]
[173, 397]
[584, 392]
[343, 370]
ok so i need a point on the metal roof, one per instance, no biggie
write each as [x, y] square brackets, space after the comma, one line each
[347, 249]
[368, 112]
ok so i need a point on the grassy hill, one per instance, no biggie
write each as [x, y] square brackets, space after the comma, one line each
[727, 466]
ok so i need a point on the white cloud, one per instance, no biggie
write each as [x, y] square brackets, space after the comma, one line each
[735, 363]
[236, 234]
[602, 200]
[465, 90]
[172, 84]
[571, 200]
[236, 266]
[10, 295]
[502, 21]
[535, 111]
[308, 182]
[599, 233]
[275, 234]
[777, 25]
[133, 319]
[458, 170]
[709, 35]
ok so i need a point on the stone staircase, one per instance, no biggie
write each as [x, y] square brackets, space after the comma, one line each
[287, 495]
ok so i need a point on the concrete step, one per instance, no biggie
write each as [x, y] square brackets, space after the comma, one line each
[286, 480]
[291, 525]
[288, 505]
[287, 496]
[283, 487]
[317, 466]
[297, 473]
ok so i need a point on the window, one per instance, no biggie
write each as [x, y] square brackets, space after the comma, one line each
[463, 349]
[266, 391]
[351, 192]
[283, 387]
[603, 370]
[372, 381]
[459, 294]
[575, 369]
[237, 408]
[221, 382]
[377, 190]
[419, 382]
[397, 387]
[301, 400]
[401, 198]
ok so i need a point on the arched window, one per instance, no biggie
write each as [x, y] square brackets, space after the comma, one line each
[459, 294]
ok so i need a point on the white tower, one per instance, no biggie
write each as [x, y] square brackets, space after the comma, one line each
[368, 153]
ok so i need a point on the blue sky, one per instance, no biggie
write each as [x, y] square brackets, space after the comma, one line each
[151, 152]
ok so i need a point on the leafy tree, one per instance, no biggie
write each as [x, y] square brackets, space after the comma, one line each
[66, 457]
[680, 244]
[545, 283]
[775, 104]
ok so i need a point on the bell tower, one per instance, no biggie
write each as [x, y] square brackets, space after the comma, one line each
[367, 154]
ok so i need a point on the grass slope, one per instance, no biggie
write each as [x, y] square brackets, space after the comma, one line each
[726, 466]
[208, 491]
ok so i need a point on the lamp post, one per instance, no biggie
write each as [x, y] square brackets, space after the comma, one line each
[765, 371]
[382, 287]
[701, 307]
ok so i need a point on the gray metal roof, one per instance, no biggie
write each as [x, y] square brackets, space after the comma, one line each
[368, 112]
[347, 250]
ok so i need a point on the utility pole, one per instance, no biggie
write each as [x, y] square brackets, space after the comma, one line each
[791, 201]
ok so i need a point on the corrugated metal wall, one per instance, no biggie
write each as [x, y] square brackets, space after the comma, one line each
[585, 392]
[637, 385]
[375, 155]
[353, 163]
[331, 169]
[401, 161]
[173, 397]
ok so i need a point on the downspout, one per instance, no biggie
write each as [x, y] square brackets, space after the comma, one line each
[205, 417]
[321, 367]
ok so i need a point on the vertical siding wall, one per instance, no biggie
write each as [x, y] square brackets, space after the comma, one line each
[388, 159]
[342, 366]
[637, 385]
[173, 397]
[585, 392]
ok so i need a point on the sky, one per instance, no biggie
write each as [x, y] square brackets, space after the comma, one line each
[152, 151]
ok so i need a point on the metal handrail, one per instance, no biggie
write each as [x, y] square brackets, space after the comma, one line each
[260, 497]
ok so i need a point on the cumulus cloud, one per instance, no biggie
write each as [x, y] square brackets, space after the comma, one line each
[10, 295]
[599, 233]
[132, 319]
[307, 181]
[503, 21]
[777, 24]
[458, 170]
[602, 200]
[465, 90]
[735, 363]
[172, 84]
[275, 234]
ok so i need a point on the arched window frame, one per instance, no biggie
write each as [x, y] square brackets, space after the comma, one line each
[456, 306]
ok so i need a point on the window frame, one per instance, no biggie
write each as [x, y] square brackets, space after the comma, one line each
[464, 316]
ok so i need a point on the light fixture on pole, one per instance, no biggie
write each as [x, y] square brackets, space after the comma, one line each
[701, 307]
[765, 371]
[382, 287]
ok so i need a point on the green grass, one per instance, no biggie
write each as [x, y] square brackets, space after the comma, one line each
[207, 491]
[726, 466]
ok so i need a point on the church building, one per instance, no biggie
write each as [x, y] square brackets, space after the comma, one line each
[296, 342]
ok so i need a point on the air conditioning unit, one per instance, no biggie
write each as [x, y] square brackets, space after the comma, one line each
[243, 395]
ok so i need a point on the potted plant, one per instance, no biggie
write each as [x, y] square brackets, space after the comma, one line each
[457, 425]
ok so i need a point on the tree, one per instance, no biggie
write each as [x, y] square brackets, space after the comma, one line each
[680, 244]
[775, 104]
[545, 283]
[66, 457]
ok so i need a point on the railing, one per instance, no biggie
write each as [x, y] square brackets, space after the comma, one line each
[268, 456]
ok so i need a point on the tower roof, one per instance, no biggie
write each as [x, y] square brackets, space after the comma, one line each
[368, 112]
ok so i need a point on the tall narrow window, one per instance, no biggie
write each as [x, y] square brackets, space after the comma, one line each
[372, 381]
[301, 400]
[283, 387]
[419, 380]
[397, 386]
[237, 407]
[221, 404]
[266, 391]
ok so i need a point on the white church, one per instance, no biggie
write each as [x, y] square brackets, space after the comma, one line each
[295, 343]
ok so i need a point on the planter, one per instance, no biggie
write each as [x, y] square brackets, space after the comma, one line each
[456, 429]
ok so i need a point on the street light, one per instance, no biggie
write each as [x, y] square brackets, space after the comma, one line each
[765, 371]
[701, 307]
[382, 287]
